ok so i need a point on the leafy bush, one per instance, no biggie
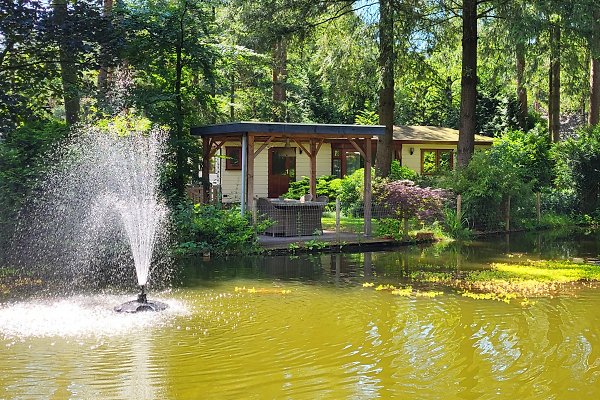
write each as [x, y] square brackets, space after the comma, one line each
[405, 200]
[206, 228]
[399, 172]
[518, 165]
[327, 185]
[577, 167]
[23, 160]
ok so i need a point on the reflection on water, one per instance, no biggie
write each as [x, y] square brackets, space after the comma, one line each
[327, 338]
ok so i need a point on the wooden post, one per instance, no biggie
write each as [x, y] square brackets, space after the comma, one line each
[507, 216]
[313, 168]
[254, 211]
[459, 208]
[243, 197]
[250, 188]
[337, 216]
[538, 206]
[367, 189]
[206, 147]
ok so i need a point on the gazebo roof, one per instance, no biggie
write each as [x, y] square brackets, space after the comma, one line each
[289, 129]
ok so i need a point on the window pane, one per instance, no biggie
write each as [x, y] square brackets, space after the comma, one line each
[336, 167]
[445, 160]
[234, 155]
[279, 165]
[352, 162]
[428, 166]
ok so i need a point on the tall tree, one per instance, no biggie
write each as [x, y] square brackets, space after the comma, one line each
[468, 97]
[594, 43]
[68, 65]
[170, 43]
[386, 91]
[554, 81]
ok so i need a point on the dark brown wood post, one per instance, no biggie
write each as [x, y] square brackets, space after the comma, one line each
[313, 168]
[367, 189]
[250, 189]
[205, 170]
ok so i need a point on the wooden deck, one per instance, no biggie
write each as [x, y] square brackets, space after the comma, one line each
[328, 241]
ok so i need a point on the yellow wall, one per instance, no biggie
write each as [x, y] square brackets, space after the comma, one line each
[414, 161]
[231, 180]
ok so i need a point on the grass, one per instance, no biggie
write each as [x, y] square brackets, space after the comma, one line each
[347, 224]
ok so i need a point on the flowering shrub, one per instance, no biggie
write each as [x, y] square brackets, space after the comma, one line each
[404, 200]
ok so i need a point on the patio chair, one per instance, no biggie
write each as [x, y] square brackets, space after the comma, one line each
[322, 199]
[266, 211]
[306, 197]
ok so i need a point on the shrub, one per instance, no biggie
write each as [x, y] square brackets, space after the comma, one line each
[206, 228]
[327, 185]
[577, 161]
[405, 200]
[399, 172]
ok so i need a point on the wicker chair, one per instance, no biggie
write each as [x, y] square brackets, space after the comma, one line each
[266, 211]
[322, 199]
[306, 197]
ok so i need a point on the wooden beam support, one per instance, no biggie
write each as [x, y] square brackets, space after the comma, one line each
[264, 145]
[308, 153]
[367, 189]
[358, 148]
[213, 150]
[206, 150]
[250, 188]
[313, 168]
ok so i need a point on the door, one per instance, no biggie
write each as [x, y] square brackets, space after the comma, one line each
[282, 170]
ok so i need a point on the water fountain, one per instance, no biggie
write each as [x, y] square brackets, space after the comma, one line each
[100, 204]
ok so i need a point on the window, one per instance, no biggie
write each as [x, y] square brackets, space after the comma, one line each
[345, 160]
[234, 158]
[436, 160]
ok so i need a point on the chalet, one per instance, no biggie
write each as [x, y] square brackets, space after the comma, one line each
[278, 153]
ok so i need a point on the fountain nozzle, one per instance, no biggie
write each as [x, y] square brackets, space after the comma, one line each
[141, 304]
[142, 296]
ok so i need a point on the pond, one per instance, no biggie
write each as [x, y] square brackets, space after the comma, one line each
[305, 327]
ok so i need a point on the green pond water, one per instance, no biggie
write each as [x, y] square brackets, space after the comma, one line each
[305, 328]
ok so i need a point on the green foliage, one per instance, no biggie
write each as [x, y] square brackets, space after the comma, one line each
[366, 117]
[221, 232]
[327, 185]
[399, 172]
[577, 166]
[518, 165]
[23, 161]
[456, 227]
[351, 193]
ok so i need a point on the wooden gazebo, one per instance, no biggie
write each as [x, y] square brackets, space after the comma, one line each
[256, 137]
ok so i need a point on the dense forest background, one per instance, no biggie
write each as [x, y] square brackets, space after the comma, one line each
[482, 66]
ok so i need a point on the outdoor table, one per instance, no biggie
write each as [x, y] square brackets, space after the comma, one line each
[300, 218]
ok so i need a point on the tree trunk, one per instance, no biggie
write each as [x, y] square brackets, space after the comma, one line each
[279, 79]
[385, 146]
[468, 84]
[521, 91]
[103, 71]
[554, 100]
[594, 117]
[68, 69]
[178, 142]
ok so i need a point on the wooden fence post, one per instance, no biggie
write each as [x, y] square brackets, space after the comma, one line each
[538, 206]
[337, 216]
[507, 220]
[459, 208]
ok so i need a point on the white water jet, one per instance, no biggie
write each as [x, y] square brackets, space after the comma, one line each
[100, 205]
